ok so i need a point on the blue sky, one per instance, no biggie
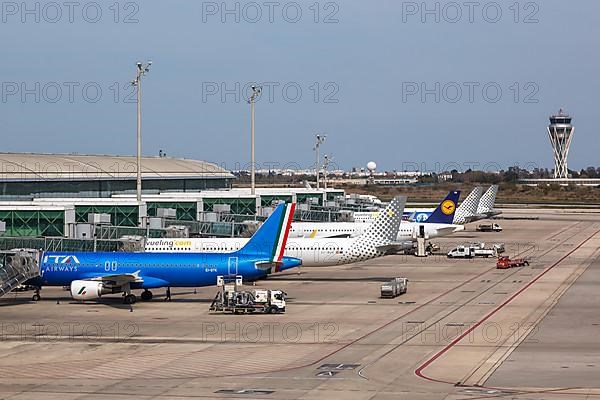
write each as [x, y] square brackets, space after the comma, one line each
[361, 68]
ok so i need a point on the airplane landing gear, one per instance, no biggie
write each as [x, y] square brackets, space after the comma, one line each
[36, 296]
[146, 295]
[129, 299]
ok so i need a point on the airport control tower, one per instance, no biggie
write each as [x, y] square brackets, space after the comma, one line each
[560, 132]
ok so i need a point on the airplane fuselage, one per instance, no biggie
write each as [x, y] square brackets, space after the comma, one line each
[316, 252]
[407, 231]
[154, 269]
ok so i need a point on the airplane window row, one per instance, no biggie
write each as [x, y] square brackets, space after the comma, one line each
[122, 265]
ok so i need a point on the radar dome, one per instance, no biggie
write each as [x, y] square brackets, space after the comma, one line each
[371, 166]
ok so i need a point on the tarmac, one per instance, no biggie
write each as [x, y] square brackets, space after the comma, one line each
[464, 330]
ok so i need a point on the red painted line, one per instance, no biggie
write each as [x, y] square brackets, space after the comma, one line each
[374, 330]
[419, 371]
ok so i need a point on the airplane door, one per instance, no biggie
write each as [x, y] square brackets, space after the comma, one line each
[232, 266]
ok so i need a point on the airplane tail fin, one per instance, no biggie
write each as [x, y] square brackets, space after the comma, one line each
[382, 233]
[269, 240]
[386, 225]
[486, 204]
[467, 210]
[444, 213]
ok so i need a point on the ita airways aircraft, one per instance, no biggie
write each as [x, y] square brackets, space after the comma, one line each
[92, 275]
[378, 239]
[438, 224]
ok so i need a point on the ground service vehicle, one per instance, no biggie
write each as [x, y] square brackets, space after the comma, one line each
[394, 288]
[232, 298]
[489, 228]
[504, 262]
[475, 250]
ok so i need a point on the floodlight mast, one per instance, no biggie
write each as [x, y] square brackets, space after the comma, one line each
[142, 70]
[326, 162]
[319, 141]
[255, 93]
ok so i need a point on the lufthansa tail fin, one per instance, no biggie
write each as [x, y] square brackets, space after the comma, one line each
[486, 204]
[268, 242]
[467, 211]
[444, 213]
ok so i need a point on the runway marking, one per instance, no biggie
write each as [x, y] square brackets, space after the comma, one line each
[420, 369]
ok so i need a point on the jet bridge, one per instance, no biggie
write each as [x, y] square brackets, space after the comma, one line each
[17, 267]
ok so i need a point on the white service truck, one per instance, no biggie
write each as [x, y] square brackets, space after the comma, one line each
[394, 288]
[472, 251]
[489, 228]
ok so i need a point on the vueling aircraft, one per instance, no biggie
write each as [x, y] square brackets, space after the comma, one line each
[379, 238]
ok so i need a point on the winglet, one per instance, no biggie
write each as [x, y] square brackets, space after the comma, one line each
[444, 213]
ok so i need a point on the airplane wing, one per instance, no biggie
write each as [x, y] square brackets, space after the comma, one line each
[118, 279]
[394, 247]
[449, 229]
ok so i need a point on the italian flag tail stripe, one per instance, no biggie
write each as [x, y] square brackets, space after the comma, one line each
[284, 230]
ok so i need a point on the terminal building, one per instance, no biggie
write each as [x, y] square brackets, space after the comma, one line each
[49, 195]
[28, 176]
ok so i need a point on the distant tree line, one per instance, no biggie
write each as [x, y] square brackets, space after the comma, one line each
[513, 174]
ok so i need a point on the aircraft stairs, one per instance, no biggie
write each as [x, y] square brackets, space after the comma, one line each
[17, 267]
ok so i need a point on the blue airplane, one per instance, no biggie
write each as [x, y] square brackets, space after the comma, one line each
[92, 275]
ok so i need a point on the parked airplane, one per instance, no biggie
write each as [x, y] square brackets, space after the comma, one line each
[475, 207]
[92, 275]
[377, 239]
[439, 224]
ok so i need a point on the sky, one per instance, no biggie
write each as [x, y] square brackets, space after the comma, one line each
[410, 85]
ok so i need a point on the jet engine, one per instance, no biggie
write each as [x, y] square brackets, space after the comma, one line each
[88, 290]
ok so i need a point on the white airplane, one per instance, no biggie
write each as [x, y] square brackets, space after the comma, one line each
[476, 206]
[378, 239]
[438, 224]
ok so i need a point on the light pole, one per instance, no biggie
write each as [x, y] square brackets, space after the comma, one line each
[255, 93]
[142, 69]
[320, 140]
[325, 166]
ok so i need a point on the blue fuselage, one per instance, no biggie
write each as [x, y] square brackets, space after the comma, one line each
[154, 269]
